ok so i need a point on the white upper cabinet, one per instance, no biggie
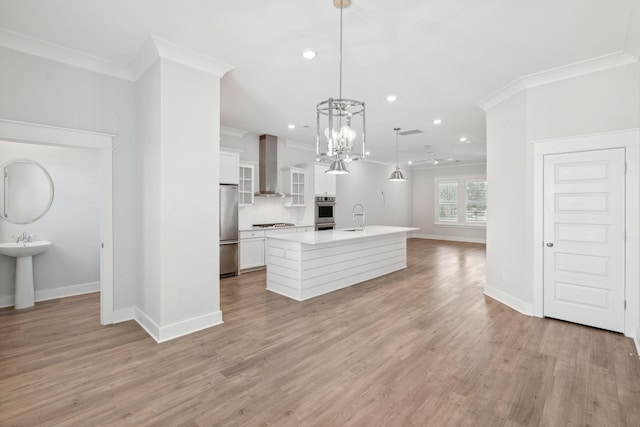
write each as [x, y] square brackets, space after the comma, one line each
[229, 166]
[295, 185]
[325, 184]
[246, 184]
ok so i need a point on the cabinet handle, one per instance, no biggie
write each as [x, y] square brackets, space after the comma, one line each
[549, 245]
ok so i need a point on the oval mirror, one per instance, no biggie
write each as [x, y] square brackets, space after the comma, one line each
[26, 193]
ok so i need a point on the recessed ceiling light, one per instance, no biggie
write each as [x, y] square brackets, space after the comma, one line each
[367, 152]
[291, 126]
[463, 139]
[410, 162]
[437, 121]
[391, 98]
[309, 54]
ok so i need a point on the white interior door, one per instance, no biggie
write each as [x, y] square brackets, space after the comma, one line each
[584, 232]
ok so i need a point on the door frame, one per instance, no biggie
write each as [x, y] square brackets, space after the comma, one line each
[38, 134]
[630, 141]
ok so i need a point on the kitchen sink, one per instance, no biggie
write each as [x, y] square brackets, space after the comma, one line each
[353, 229]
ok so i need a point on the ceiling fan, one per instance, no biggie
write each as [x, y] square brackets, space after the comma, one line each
[433, 159]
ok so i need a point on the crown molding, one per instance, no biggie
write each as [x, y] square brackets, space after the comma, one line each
[569, 71]
[33, 133]
[155, 48]
[378, 162]
[457, 165]
[54, 52]
[152, 49]
[233, 132]
[299, 145]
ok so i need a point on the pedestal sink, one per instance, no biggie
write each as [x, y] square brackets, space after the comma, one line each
[23, 253]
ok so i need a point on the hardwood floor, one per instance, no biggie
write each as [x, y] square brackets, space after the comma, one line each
[421, 346]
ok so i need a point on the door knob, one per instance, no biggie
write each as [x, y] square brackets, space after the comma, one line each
[549, 245]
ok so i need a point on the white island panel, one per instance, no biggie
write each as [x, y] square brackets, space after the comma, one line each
[302, 267]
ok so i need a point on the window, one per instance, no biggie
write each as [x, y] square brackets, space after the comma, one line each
[448, 201]
[475, 201]
[461, 201]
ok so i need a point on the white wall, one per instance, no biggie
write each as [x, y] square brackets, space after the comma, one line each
[424, 200]
[599, 102]
[632, 46]
[189, 194]
[148, 137]
[604, 101]
[178, 129]
[508, 266]
[72, 222]
[385, 203]
[273, 209]
[41, 91]
[632, 41]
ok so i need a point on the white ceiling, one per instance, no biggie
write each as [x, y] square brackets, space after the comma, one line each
[439, 57]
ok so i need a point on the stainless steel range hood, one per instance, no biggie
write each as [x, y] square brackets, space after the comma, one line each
[268, 163]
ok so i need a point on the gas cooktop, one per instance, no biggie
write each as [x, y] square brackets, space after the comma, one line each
[274, 225]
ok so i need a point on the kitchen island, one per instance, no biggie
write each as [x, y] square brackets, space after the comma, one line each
[304, 265]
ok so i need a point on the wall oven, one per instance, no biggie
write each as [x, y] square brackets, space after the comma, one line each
[325, 226]
[325, 211]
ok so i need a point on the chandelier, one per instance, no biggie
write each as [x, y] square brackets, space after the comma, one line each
[338, 122]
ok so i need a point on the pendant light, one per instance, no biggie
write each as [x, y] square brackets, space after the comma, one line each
[397, 175]
[338, 122]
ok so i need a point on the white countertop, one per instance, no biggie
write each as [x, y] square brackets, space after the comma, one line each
[329, 236]
[275, 228]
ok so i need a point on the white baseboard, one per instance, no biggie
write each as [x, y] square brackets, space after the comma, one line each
[147, 323]
[636, 339]
[508, 300]
[47, 294]
[169, 332]
[67, 291]
[188, 326]
[449, 238]
[124, 314]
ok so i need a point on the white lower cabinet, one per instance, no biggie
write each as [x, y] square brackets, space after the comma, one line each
[253, 242]
[251, 249]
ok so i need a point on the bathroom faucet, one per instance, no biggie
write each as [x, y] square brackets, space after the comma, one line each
[361, 214]
[24, 238]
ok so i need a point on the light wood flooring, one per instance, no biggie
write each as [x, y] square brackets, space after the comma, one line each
[421, 346]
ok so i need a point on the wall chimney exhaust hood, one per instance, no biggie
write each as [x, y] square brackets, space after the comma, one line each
[268, 162]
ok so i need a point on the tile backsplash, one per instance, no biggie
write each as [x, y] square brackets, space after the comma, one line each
[272, 209]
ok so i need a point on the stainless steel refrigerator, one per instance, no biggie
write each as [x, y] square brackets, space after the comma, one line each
[228, 230]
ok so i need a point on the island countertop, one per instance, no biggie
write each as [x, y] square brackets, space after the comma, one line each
[342, 234]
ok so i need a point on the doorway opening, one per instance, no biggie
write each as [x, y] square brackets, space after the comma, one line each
[31, 133]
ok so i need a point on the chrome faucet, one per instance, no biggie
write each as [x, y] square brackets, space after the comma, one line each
[24, 238]
[361, 214]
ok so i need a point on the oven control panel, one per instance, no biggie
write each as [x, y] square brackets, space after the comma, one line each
[325, 199]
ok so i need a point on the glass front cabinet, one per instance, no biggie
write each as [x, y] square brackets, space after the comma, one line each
[245, 184]
[296, 185]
